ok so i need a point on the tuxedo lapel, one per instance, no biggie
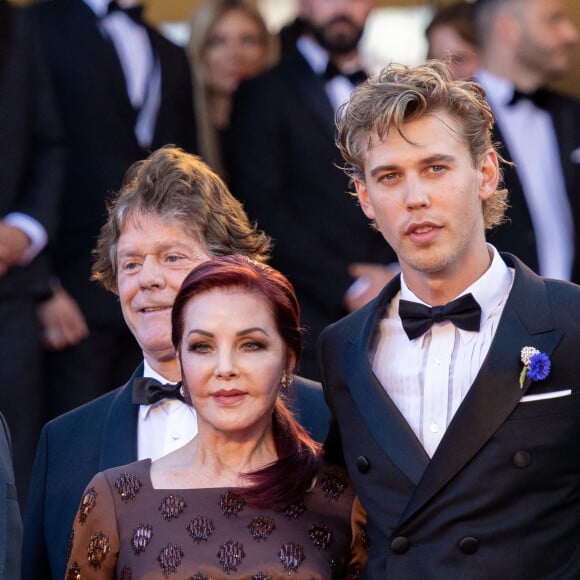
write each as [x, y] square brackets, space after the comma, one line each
[495, 393]
[381, 415]
[309, 87]
[119, 439]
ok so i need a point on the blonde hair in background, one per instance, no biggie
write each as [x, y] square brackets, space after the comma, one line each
[203, 20]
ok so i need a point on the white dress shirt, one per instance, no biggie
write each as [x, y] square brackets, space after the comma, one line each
[140, 66]
[530, 137]
[35, 232]
[163, 426]
[428, 377]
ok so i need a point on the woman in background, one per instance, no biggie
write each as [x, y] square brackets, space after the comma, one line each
[451, 38]
[229, 43]
[250, 496]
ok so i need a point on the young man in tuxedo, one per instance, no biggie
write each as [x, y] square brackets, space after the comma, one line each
[525, 45]
[171, 214]
[283, 168]
[454, 394]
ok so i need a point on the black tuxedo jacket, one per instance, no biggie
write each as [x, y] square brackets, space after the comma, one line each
[282, 166]
[99, 126]
[517, 234]
[92, 438]
[31, 144]
[500, 498]
[10, 522]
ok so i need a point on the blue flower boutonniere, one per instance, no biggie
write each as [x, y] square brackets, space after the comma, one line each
[536, 365]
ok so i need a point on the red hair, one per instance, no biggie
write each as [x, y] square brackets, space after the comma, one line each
[284, 481]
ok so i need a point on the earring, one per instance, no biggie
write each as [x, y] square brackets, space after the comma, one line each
[183, 393]
[285, 380]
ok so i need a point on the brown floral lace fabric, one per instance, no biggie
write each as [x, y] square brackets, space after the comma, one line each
[126, 529]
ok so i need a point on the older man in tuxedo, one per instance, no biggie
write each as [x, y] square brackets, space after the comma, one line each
[525, 44]
[455, 394]
[172, 214]
[283, 168]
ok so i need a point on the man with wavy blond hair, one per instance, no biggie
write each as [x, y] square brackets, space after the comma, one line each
[454, 401]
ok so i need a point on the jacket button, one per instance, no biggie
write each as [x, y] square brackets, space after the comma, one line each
[363, 464]
[522, 459]
[400, 545]
[469, 545]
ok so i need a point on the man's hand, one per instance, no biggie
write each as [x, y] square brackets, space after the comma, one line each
[370, 279]
[13, 244]
[62, 321]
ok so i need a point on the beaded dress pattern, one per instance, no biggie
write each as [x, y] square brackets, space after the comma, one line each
[126, 529]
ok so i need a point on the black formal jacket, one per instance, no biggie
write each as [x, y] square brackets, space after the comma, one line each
[10, 522]
[500, 498]
[94, 437]
[283, 167]
[99, 126]
[31, 146]
[517, 234]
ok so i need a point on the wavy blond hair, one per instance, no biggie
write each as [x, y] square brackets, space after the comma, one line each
[399, 94]
[178, 187]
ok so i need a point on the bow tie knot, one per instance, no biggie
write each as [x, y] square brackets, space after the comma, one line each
[539, 97]
[417, 318]
[356, 77]
[147, 391]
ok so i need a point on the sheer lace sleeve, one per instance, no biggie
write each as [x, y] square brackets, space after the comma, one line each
[94, 547]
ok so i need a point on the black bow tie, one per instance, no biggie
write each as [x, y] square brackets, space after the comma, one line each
[540, 97]
[147, 391]
[134, 12]
[417, 318]
[356, 78]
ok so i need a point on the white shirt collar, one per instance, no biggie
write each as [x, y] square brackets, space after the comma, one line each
[314, 54]
[499, 90]
[99, 7]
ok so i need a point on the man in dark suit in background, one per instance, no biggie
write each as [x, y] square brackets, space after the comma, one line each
[282, 167]
[460, 436]
[523, 46]
[122, 90]
[10, 522]
[31, 170]
[172, 214]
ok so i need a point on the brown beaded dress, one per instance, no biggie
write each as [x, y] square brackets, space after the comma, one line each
[128, 530]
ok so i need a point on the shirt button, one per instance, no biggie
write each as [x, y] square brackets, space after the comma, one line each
[434, 428]
[438, 361]
[175, 436]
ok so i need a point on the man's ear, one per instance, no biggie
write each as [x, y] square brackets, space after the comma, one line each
[489, 174]
[364, 199]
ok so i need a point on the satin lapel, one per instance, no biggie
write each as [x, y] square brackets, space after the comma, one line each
[381, 415]
[526, 321]
[310, 89]
[119, 437]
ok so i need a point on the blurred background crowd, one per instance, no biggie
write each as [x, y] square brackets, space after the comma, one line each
[88, 87]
